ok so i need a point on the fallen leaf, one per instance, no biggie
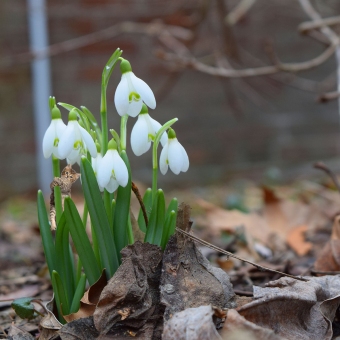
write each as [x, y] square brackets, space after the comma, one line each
[191, 324]
[236, 327]
[133, 288]
[189, 280]
[16, 333]
[26, 291]
[296, 240]
[295, 309]
[89, 301]
[79, 330]
[329, 258]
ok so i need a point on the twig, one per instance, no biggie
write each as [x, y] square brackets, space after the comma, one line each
[325, 97]
[211, 246]
[329, 172]
[141, 203]
[311, 25]
[239, 11]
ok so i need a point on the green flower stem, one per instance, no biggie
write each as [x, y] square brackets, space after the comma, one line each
[79, 264]
[154, 155]
[123, 122]
[55, 166]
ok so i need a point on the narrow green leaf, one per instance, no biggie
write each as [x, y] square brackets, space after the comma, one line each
[93, 122]
[78, 294]
[122, 211]
[99, 218]
[57, 203]
[147, 200]
[46, 235]
[81, 241]
[65, 266]
[113, 209]
[154, 230]
[80, 113]
[60, 296]
[110, 65]
[131, 238]
[170, 222]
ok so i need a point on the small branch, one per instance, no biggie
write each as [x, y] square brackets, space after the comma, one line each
[141, 203]
[239, 12]
[211, 246]
[315, 24]
[329, 172]
[324, 273]
[326, 97]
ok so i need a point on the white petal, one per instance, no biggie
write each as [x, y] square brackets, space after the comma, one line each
[163, 160]
[139, 136]
[90, 145]
[175, 156]
[144, 90]
[60, 127]
[185, 159]
[105, 170]
[134, 108]
[156, 127]
[67, 140]
[48, 140]
[122, 96]
[73, 157]
[112, 185]
[120, 169]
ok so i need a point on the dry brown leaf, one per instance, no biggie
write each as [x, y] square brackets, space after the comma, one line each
[191, 324]
[236, 327]
[134, 287]
[296, 240]
[16, 333]
[189, 280]
[217, 219]
[26, 291]
[295, 309]
[329, 258]
[89, 301]
[79, 330]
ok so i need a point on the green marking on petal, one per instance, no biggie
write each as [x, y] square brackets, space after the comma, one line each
[134, 96]
[56, 142]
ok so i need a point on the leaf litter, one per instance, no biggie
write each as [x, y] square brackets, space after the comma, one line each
[286, 232]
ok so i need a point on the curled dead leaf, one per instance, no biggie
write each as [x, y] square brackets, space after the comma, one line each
[191, 324]
[295, 309]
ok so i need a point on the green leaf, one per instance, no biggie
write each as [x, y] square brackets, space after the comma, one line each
[24, 308]
[110, 66]
[154, 230]
[81, 241]
[170, 222]
[93, 122]
[147, 200]
[46, 235]
[122, 211]
[99, 218]
[57, 203]
[78, 294]
[65, 265]
[80, 113]
[60, 296]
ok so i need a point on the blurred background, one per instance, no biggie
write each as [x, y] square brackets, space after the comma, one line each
[230, 127]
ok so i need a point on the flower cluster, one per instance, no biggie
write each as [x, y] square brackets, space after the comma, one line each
[132, 98]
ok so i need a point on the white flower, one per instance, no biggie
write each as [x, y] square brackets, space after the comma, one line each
[75, 141]
[143, 132]
[53, 134]
[112, 171]
[96, 165]
[131, 92]
[175, 156]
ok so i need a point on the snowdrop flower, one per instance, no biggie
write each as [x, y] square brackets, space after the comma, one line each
[144, 131]
[95, 161]
[75, 141]
[173, 155]
[112, 171]
[131, 92]
[53, 134]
